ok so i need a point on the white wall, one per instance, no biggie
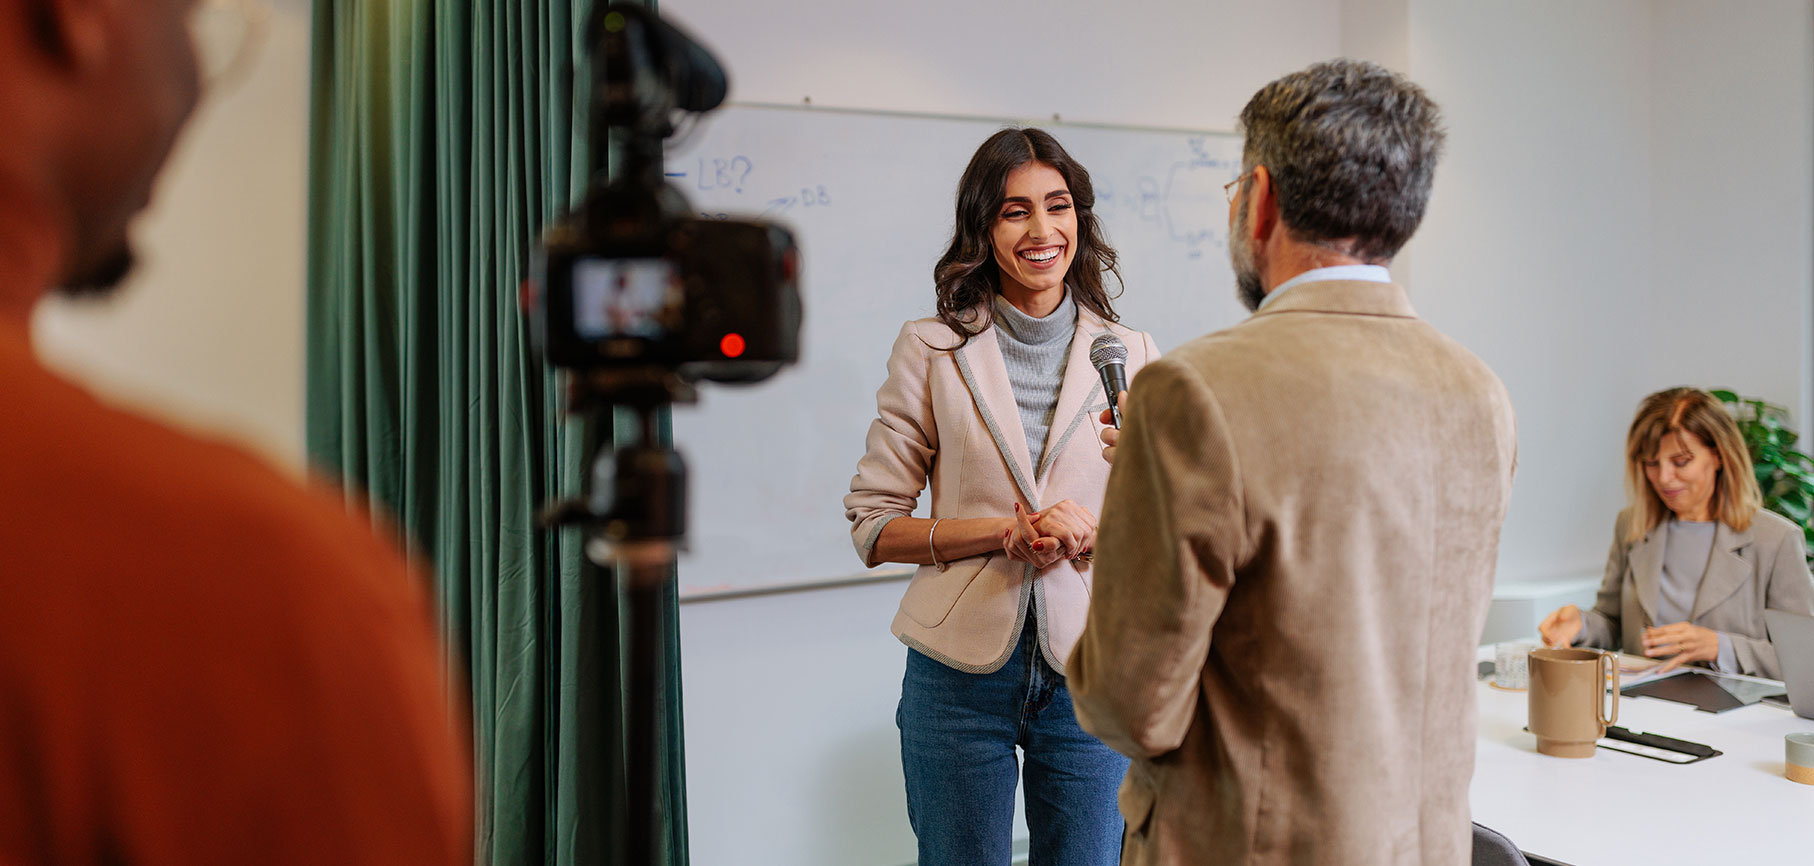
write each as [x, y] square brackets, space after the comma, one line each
[1627, 203]
[1535, 252]
[792, 755]
[208, 332]
[1732, 129]
[1139, 62]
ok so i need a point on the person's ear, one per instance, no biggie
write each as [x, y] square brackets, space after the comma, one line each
[1263, 206]
[72, 32]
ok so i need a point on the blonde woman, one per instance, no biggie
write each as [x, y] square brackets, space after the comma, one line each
[1695, 559]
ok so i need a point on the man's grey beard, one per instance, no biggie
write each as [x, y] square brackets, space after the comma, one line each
[99, 280]
[1240, 256]
[1248, 289]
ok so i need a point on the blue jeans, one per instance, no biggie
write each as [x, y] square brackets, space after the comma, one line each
[958, 735]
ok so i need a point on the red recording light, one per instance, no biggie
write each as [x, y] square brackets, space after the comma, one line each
[731, 345]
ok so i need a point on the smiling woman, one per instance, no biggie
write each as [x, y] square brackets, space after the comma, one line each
[1012, 171]
[1695, 559]
[1033, 238]
[993, 403]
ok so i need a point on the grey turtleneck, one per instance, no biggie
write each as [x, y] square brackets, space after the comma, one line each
[1035, 353]
[1687, 546]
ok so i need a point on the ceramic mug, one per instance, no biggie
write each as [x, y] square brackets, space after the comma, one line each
[1569, 709]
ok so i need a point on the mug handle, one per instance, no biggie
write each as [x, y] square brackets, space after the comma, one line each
[1609, 666]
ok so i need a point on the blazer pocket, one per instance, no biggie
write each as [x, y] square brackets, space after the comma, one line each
[1084, 575]
[933, 593]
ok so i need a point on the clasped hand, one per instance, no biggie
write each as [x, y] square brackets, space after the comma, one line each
[1682, 643]
[1065, 530]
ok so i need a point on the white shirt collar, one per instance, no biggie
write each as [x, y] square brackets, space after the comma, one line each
[1364, 273]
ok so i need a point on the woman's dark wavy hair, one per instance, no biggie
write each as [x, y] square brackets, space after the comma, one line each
[967, 275]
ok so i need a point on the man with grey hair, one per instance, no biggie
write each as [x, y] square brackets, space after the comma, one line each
[1297, 543]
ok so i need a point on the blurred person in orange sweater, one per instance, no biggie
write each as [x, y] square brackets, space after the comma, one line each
[200, 663]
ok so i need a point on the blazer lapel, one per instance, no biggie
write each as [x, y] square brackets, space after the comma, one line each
[1726, 570]
[981, 365]
[1647, 570]
[1078, 394]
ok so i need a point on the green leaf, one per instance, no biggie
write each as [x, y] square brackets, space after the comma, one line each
[1784, 475]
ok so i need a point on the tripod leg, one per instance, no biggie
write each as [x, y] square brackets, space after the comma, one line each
[645, 572]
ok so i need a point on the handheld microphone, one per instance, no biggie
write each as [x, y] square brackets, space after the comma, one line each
[1109, 356]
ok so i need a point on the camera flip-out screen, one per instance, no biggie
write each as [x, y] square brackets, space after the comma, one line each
[623, 297]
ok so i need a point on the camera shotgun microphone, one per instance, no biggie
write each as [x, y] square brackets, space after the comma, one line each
[1109, 356]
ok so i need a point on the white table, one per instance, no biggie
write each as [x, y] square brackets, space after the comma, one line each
[1617, 808]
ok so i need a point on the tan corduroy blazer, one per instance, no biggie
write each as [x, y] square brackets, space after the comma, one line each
[1766, 566]
[1293, 569]
[949, 418]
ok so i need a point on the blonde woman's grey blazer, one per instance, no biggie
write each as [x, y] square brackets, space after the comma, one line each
[1765, 566]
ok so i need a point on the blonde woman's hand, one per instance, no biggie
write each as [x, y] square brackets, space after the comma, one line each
[1561, 627]
[1683, 643]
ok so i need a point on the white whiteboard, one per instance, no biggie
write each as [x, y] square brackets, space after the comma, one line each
[870, 198]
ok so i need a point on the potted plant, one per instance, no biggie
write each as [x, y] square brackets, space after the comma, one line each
[1785, 476]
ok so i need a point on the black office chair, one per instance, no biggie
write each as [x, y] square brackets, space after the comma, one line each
[1493, 849]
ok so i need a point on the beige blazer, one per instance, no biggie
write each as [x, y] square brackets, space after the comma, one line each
[949, 418]
[1293, 570]
[1766, 566]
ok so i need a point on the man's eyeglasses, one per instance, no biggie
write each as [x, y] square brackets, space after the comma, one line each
[1234, 186]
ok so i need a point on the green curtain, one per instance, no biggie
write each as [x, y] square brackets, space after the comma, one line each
[444, 135]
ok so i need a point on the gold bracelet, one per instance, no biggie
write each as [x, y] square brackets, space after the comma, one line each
[930, 546]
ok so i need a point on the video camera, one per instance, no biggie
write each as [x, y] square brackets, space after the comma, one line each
[639, 299]
[632, 279]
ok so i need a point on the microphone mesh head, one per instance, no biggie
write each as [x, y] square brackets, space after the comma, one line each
[1107, 349]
